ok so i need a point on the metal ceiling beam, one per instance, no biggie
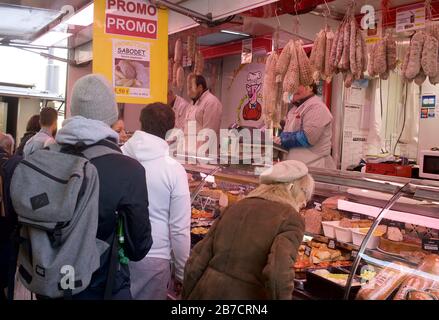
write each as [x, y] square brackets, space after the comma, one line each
[183, 10]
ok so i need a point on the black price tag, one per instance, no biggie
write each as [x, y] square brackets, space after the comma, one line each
[396, 224]
[308, 250]
[431, 245]
[354, 254]
[356, 217]
[331, 244]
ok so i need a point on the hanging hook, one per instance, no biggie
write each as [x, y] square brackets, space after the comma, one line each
[353, 5]
[428, 6]
[327, 12]
[275, 41]
[277, 17]
[296, 2]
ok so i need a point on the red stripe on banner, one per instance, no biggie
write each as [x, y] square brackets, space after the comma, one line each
[129, 26]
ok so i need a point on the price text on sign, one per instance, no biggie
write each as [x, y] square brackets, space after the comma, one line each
[123, 91]
[431, 245]
[136, 18]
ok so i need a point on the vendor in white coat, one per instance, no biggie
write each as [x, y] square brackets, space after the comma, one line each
[308, 130]
[180, 107]
[206, 110]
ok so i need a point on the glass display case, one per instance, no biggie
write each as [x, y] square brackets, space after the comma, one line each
[367, 236]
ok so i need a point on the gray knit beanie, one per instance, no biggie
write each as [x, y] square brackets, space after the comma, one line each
[93, 98]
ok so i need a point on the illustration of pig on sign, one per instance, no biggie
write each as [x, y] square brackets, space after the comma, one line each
[253, 109]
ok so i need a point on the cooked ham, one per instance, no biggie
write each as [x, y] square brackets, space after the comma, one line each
[313, 221]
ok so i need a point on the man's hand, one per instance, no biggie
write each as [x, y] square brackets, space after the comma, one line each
[178, 287]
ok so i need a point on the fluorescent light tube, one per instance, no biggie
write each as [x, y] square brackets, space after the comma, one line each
[50, 38]
[236, 33]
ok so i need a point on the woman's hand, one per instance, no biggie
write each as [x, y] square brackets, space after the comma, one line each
[277, 140]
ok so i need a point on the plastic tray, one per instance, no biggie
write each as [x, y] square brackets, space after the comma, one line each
[358, 237]
[343, 234]
[327, 289]
[329, 228]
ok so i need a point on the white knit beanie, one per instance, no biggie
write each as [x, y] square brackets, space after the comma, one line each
[284, 172]
[93, 98]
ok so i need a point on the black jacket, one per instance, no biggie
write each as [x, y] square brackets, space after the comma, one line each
[23, 141]
[7, 223]
[122, 189]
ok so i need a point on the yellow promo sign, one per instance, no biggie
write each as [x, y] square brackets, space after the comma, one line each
[130, 48]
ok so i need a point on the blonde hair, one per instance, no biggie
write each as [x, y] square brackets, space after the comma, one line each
[295, 194]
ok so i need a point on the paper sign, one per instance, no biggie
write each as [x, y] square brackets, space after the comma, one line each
[410, 18]
[130, 48]
[131, 68]
[431, 245]
[352, 117]
[135, 18]
[428, 101]
[424, 113]
[308, 250]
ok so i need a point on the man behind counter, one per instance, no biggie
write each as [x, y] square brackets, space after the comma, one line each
[308, 130]
[206, 110]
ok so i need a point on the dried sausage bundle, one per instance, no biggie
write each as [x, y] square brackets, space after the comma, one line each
[283, 75]
[269, 90]
[178, 52]
[348, 53]
[323, 55]
[429, 56]
[318, 52]
[422, 57]
[328, 71]
[284, 61]
[199, 63]
[382, 58]
[414, 62]
[191, 47]
[305, 70]
[180, 78]
[292, 78]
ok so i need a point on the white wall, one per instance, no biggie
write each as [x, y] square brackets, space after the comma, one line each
[26, 109]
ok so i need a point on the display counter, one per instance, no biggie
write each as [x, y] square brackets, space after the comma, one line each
[367, 236]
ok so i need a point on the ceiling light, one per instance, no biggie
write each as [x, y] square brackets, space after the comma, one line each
[83, 17]
[50, 38]
[235, 32]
